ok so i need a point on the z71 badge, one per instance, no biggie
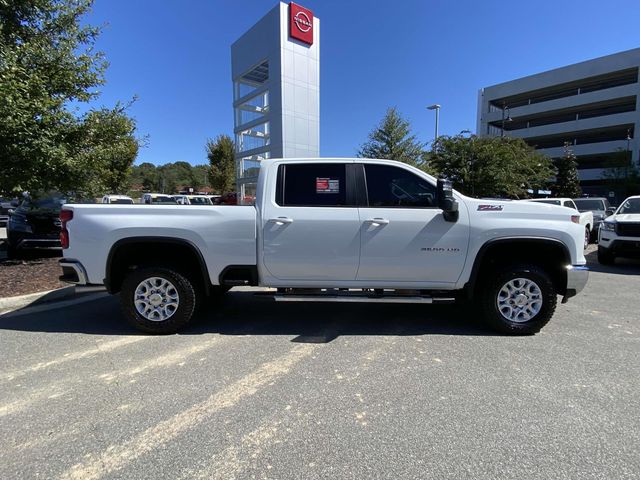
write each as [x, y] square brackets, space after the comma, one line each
[489, 208]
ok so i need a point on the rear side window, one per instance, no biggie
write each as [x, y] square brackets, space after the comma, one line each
[312, 185]
[389, 186]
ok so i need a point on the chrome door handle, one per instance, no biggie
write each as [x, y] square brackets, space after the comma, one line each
[377, 221]
[281, 220]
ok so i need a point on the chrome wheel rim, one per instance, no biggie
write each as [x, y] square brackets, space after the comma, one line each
[156, 299]
[519, 300]
[587, 235]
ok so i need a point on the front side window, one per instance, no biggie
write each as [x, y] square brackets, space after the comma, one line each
[389, 186]
[312, 185]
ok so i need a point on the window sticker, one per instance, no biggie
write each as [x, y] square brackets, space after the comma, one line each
[327, 185]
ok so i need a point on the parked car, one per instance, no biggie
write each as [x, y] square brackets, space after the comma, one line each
[35, 225]
[585, 218]
[117, 199]
[599, 206]
[215, 199]
[619, 234]
[230, 198]
[391, 234]
[6, 206]
[158, 199]
[192, 200]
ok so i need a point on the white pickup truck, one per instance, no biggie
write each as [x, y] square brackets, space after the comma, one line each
[351, 230]
[585, 218]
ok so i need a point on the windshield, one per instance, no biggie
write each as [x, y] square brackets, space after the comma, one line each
[46, 203]
[550, 202]
[163, 200]
[587, 204]
[631, 205]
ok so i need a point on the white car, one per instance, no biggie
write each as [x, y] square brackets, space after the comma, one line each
[117, 199]
[333, 230]
[584, 218]
[619, 234]
[158, 199]
[193, 200]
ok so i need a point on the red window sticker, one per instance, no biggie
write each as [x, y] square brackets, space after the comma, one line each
[327, 185]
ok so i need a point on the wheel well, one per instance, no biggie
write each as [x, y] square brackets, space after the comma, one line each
[130, 254]
[552, 256]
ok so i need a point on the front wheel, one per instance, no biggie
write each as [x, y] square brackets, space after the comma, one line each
[518, 300]
[158, 300]
[605, 257]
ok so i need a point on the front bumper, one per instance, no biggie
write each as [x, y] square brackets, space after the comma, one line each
[628, 247]
[577, 277]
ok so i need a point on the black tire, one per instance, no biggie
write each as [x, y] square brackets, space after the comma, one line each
[13, 253]
[488, 300]
[181, 316]
[587, 237]
[605, 257]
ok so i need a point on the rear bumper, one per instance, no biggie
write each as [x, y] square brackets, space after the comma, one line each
[577, 277]
[73, 272]
[28, 241]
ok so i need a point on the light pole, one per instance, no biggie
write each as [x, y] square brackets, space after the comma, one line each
[435, 107]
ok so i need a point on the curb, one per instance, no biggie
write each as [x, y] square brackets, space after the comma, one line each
[20, 301]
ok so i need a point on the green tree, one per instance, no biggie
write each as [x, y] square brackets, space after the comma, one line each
[108, 147]
[48, 65]
[567, 183]
[222, 168]
[392, 139]
[489, 166]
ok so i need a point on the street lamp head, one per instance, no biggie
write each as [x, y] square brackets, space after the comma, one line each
[435, 106]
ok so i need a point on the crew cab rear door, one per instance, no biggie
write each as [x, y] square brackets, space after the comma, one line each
[311, 229]
[405, 237]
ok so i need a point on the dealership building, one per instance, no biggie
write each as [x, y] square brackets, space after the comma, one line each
[275, 68]
[593, 106]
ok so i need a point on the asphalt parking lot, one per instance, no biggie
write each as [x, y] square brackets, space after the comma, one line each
[259, 390]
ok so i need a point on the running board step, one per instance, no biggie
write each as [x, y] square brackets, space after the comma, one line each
[359, 299]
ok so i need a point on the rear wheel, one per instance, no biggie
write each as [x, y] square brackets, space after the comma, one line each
[518, 300]
[605, 257]
[587, 237]
[158, 300]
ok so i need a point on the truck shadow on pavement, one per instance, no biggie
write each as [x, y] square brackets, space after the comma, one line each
[242, 313]
[622, 266]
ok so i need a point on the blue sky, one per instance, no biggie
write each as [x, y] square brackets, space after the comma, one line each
[175, 56]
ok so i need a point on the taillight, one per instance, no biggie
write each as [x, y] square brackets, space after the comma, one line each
[65, 216]
[575, 218]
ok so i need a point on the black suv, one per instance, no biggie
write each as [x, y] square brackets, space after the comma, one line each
[35, 224]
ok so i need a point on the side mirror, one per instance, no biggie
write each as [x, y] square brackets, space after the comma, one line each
[445, 200]
[610, 211]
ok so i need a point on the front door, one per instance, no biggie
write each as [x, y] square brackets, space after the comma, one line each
[405, 237]
[312, 229]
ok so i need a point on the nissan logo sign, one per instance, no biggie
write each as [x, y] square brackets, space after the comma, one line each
[302, 21]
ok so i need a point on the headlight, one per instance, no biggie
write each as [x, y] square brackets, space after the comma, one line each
[18, 223]
[608, 226]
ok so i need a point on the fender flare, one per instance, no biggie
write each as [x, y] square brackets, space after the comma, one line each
[157, 240]
[469, 287]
